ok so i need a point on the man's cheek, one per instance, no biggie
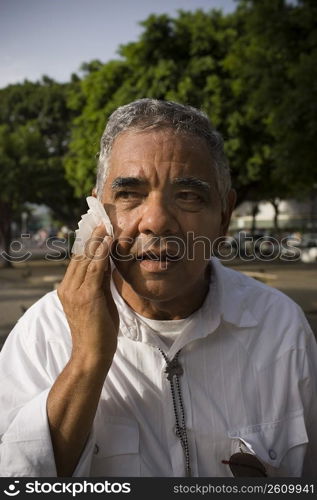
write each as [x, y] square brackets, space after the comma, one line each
[126, 223]
[121, 249]
[199, 247]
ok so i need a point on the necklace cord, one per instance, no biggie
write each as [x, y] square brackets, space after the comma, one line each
[174, 370]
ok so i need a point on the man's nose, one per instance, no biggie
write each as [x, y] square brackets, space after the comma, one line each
[157, 217]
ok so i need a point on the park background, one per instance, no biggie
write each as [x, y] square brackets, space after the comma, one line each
[251, 65]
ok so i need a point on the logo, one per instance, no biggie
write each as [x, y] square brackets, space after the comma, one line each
[12, 490]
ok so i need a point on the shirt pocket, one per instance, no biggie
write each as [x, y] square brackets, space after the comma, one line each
[279, 445]
[116, 450]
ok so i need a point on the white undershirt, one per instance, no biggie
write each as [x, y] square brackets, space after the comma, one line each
[167, 330]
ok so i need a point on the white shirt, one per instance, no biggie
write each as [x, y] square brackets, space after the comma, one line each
[249, 360]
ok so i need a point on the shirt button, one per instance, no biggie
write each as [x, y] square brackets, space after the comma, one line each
[96, 449]
[272, 454]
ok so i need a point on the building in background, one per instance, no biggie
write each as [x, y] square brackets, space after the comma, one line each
[292, 216]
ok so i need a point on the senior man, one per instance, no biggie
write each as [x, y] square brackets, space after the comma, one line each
[162, 362]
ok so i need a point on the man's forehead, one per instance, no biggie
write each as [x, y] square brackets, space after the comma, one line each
[137, 154]
[163, 140]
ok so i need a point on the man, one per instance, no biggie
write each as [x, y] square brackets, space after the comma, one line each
[161, 362]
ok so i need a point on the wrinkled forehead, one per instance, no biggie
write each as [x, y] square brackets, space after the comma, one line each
[181, 152]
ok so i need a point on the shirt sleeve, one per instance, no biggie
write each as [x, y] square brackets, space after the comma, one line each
[287, 388]
[28, 369]
[307, 389]
[309, 397]
[26, 448]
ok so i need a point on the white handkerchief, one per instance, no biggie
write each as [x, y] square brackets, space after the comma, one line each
[89, 221]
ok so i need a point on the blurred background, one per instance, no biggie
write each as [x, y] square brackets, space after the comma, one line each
[251, 65]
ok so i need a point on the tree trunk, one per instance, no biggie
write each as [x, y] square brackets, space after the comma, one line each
[313, 208]
[254, 213]
[5, 232]
[276, 205]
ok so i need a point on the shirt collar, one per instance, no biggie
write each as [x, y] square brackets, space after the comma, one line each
[231, 290]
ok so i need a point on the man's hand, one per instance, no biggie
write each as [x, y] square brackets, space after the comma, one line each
[94, 322]
[87, 302]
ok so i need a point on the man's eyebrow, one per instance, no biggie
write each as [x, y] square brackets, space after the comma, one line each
[121, 182]
[189, 182]
[192, 182]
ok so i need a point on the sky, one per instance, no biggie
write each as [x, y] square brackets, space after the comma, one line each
[54, 37]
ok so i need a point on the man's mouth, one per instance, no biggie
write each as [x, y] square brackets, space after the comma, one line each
[157, 261]
[158, 256]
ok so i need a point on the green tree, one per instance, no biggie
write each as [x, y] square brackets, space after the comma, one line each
[34, 134]
[273, 68]
[91, 101]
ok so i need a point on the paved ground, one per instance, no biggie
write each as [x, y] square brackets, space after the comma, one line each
[21, 286]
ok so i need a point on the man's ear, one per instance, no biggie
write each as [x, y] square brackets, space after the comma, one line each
[226, 215]
[94, 193]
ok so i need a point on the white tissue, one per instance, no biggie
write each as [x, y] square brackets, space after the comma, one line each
[89, 221]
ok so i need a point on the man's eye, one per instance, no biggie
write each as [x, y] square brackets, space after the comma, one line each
[128, 195]
[188, 196]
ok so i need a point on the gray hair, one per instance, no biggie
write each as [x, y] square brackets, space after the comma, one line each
[152, 114]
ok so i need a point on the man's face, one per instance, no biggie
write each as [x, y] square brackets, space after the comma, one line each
[162, 199]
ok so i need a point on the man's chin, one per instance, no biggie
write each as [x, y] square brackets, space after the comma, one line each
[152, 287]
[155, 289]
[149, 270]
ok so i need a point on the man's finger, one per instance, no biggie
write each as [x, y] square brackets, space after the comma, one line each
[77, 268]
[99, 265]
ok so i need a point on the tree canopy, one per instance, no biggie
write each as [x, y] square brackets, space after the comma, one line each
[34, 134]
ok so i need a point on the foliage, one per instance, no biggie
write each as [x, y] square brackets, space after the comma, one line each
[275, 74]
[91, 100]
[34, 134]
